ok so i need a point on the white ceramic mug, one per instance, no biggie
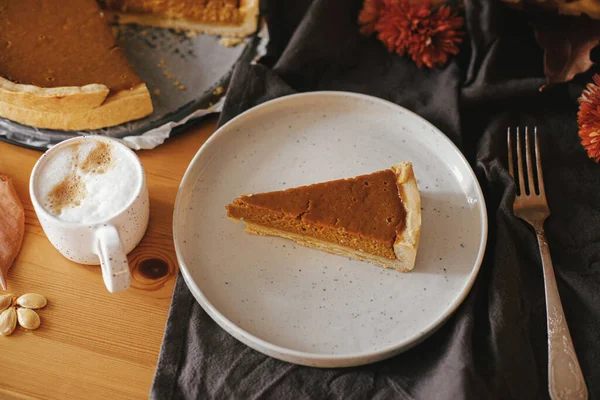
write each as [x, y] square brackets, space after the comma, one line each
[107, 241]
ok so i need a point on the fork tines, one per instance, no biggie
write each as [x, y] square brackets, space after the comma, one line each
[526, 187]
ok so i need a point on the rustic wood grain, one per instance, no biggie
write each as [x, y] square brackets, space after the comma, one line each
[93, 344]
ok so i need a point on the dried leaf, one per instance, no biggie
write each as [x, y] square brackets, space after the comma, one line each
[567, 7]
[12, 226]
[567, 43]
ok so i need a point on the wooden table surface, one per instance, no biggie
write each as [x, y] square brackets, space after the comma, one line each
[93, 344]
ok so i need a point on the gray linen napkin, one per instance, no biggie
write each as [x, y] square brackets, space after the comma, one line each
[494, 347]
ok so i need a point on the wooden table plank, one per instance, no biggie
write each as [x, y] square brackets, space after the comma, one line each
[93, 344]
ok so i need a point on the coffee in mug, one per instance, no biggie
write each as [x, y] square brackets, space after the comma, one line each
[88, 181]
[91, 198]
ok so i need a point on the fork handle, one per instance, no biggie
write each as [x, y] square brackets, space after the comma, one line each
[565, 380]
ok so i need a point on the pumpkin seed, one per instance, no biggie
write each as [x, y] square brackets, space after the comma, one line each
[28, 319]
[32, 300]
[8, 321]
[5, 301]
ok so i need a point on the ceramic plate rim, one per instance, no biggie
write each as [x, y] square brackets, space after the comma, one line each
[319, 359]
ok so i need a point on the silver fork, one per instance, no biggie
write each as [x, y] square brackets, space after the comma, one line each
[565, 380]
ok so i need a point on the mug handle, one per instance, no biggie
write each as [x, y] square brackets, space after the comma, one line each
[113, 260]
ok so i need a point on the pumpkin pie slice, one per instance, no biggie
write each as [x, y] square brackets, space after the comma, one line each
[229, 18]
[60, 67]
[374, 218]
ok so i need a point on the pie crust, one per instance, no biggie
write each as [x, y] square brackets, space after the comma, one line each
[407, 242]
[72, 107]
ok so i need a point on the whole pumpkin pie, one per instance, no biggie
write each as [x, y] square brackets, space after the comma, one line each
[60, 67]
[374, 218]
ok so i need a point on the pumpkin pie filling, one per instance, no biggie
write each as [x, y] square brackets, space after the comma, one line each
[365, 213]
[61, 43]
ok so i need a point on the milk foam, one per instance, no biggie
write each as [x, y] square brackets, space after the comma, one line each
[87, 181]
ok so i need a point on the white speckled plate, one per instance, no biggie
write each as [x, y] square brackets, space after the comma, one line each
[302, 305]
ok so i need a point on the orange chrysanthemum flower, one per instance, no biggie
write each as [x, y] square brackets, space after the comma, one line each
[588, 119]
[438, 38]
[414, 28]
[398, 22]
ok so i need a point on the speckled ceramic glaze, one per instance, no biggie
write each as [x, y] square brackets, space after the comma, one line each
[302, 305]
[105, 242]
